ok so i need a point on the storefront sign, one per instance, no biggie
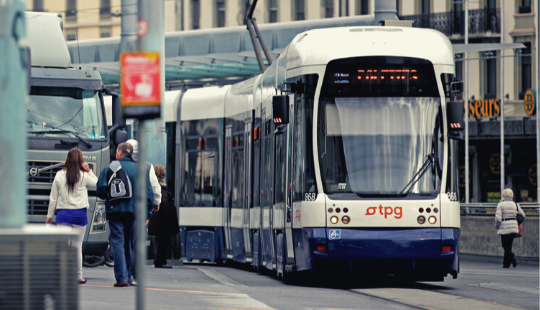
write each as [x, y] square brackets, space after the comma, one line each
[495, 163]
[494, 196]
[529, 102]
[462, 176]
[532, 174]
[484, 108]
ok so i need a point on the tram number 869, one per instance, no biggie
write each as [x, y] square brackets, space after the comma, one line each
[311, 196]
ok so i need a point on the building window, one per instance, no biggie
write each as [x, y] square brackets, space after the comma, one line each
[195, 14]
[329, 8]
[38, 5]
[525, 6]
[299, 9]
[105, 8]
[362, 7]
[220, 13]
[71, 10]
[105, 31]
[71, 34]
[344, 8]
[244, 9]
[272, 11]
[491, 76]
[459, 73]
[425, 6]
[526, 69]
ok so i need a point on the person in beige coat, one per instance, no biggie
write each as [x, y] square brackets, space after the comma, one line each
[507, 225]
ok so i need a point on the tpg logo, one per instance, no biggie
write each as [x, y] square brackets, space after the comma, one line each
[396, 211]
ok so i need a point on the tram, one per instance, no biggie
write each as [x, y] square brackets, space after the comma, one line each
[341, 155]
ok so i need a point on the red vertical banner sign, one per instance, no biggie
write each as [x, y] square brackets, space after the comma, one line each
[140, 84]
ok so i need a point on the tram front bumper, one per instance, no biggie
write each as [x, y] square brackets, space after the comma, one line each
[388, 249]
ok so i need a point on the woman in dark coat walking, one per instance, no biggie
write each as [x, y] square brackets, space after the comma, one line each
[164, 222]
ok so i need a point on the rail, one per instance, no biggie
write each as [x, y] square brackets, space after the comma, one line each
[479, 209]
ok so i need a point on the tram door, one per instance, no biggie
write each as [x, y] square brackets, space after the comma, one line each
[280, 184]
[267, 240]
[283, 195]
[227, 208]
[247, 188]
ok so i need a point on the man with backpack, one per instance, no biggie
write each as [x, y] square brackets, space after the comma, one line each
[115, 184]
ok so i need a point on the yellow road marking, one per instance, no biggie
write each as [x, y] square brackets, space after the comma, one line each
[168, 290]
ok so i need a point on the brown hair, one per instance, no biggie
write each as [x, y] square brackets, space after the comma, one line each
[73, 166]
[160, 173]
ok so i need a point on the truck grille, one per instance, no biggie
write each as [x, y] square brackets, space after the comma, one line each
[38, 207]
[44, 171]
[38, 172]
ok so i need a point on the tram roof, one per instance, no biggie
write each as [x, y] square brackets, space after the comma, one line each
[222, 55]
[318, 47]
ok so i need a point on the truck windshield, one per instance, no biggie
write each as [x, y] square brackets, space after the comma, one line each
[64, 112]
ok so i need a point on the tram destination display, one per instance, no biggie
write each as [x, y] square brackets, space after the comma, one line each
[380, 77]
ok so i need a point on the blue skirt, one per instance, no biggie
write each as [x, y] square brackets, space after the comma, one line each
[71, 216]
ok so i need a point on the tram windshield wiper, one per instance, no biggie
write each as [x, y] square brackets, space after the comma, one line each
[55, 130]
[430, 160]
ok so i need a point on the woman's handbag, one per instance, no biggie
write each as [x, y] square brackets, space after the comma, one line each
[520, 233]
[520, 218]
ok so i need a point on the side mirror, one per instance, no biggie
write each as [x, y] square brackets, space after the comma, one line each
[454, 116]
[117, 116]
[280, 109]
[456, 87]
[119, 136]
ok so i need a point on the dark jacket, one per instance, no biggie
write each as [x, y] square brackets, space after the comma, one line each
[126, 207]
[165, 221]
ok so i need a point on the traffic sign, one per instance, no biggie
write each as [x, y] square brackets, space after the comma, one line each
[140, 84]
[142, 27]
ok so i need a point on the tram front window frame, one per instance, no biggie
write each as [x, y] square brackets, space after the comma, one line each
[375, 136]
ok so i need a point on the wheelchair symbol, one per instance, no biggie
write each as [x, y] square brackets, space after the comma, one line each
[335, 234]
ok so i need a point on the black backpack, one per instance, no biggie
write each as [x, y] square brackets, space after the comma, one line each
[119, 185]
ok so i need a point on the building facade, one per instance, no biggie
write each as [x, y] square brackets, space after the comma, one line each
[497, 80]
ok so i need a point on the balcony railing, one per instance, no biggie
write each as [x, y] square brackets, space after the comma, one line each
[452, 23]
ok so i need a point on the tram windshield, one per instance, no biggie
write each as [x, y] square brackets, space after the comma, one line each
[55, 112]
[376, 140]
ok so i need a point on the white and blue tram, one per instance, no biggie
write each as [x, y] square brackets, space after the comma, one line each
[340, 155]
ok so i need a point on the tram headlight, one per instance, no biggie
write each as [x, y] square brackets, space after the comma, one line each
[334, 220]
[346, 219]
[421, 219]
[432, 220]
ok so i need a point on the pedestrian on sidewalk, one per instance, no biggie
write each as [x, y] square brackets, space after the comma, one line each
[69, 199]
[164, 221]
[507, 225]
[121, 215]
[156, 189]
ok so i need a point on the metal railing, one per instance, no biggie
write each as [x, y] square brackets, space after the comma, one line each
[452, 23]
[484, 209]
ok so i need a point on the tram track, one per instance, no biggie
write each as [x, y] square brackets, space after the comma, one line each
[425, 299]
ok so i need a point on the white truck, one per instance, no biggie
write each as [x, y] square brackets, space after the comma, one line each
[65, 110]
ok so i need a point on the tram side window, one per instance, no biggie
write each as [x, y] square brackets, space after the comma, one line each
[304, 186]
[200, 186]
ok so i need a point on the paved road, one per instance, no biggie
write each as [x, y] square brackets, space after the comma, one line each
[192, 286]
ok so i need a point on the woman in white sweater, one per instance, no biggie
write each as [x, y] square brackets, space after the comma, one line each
[69, 199]
[507, 225]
